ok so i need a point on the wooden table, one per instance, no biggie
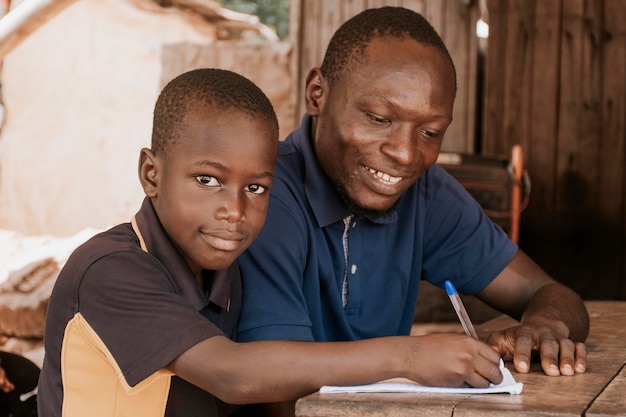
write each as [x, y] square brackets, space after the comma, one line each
[599, 392]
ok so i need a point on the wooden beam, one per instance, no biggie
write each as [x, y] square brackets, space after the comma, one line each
[25, 19]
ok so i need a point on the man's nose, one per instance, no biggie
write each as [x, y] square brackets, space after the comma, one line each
[400, 146]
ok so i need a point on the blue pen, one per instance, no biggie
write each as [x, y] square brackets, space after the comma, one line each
[460, 309]
[462, 313]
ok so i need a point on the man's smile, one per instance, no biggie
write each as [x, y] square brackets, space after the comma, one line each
[383, 176]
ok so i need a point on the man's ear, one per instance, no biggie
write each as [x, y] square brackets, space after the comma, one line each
[148, 170]
[314, 91]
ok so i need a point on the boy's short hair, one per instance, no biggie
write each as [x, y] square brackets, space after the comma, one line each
[212, 88]
[346, 48]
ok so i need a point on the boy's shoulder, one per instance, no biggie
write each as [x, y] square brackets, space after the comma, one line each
[115, 238]
[119, 238]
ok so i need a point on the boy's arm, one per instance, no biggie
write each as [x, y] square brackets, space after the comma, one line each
[553, 319]
[275, 371]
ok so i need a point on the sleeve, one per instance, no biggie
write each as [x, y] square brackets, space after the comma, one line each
[461, 243]
[133, 306]
[272, 270]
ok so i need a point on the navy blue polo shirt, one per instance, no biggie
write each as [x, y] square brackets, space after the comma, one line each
[317, 273]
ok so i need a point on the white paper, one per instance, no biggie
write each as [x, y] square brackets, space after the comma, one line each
[508, 385]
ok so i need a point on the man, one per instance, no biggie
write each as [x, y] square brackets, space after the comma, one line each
[359, 213]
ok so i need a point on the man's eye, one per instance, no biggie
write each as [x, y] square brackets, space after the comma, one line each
[376, 119]
[256, 189]
[207, 180]
[430, 133]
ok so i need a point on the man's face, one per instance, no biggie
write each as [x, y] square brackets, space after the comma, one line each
[380, 126]
[213, 186]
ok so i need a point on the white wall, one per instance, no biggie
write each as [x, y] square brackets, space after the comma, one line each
[79, 95]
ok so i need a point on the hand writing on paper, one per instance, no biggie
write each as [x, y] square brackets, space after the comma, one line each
[454, 360]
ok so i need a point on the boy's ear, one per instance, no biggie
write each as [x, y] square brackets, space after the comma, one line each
[148, 170]
[314, 91]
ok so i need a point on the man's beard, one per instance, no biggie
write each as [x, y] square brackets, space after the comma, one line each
[357, 210]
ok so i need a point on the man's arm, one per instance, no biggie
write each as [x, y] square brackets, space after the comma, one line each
[553, 319]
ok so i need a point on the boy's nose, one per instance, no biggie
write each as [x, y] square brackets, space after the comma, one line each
[233, 207]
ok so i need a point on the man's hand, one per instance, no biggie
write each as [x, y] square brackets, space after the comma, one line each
[559, 355]
[554, 322]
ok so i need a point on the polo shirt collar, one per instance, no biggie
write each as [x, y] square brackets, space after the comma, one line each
[159, 245]
[324, 200]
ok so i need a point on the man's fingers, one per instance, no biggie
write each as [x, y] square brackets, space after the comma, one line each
[563, 358]
[504, 346]
[580, 365]
[558, 357]
[549, 353]
[523, 350]
[567, 357]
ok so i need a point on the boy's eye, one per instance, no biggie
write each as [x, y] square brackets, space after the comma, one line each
[207, 180]
[256, 189]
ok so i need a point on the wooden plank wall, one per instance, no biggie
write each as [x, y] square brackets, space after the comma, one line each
[556, 83]
[313, 23]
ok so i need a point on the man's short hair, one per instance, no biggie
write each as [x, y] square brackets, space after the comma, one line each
[346, 48]
[211, 88]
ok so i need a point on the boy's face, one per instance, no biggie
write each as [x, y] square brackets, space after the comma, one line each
[211, 190]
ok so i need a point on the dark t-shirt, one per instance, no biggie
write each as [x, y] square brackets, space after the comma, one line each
[119, 314]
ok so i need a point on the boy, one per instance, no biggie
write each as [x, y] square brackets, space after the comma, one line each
[141, 316]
